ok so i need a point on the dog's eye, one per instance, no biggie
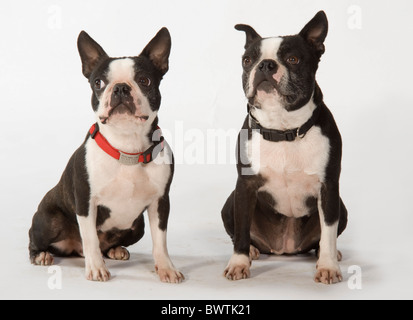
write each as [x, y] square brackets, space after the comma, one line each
[247, 61]
[293, 60]
[144, 81]
[99, 84]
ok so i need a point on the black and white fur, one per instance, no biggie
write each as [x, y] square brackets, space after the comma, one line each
[97, 207]
[287, 198]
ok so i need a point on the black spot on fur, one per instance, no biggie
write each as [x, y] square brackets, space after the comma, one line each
[103, 213]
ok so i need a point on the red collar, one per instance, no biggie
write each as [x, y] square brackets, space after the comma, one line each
[124, 157]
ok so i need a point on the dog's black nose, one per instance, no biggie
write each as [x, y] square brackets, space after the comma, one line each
[268, 66]
[121, 89]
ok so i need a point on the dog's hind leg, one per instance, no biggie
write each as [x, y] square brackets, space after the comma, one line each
[52, 233]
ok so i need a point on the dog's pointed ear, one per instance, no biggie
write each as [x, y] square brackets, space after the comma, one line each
[251, 34]
[90, 53]
[315, 32]
[158, 50]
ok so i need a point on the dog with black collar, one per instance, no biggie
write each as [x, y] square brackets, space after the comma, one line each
[123, 168]
[286, 199]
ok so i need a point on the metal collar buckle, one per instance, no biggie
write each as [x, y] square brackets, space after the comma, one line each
[300, 135]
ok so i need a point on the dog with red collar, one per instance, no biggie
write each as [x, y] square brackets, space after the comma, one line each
[123, 168]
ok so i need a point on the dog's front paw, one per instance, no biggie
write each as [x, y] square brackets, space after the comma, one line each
[328, 273]
[169, 274]
[97, 271]
[238, 267]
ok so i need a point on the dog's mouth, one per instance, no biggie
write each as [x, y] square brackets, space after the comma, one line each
[142, 119]
[124, 109]
[264, 82]
[266, 85]
[263, 85]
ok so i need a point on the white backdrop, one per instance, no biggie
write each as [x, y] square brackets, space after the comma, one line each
[365, 75]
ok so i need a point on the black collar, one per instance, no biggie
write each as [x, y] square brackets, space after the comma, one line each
[287, 135]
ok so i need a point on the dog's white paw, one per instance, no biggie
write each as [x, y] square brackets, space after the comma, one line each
[328, 272]
[169, 274]
[238, 267]
[97, 271]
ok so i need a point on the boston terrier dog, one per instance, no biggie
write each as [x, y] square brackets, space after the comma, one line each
[286, 199]
[123, 168]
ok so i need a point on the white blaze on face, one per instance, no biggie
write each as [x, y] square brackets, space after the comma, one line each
[269, 48]
[269, 51]
[123, 71]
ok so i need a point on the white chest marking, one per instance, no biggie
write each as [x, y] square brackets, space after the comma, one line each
[293, 171]
[125, 190]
